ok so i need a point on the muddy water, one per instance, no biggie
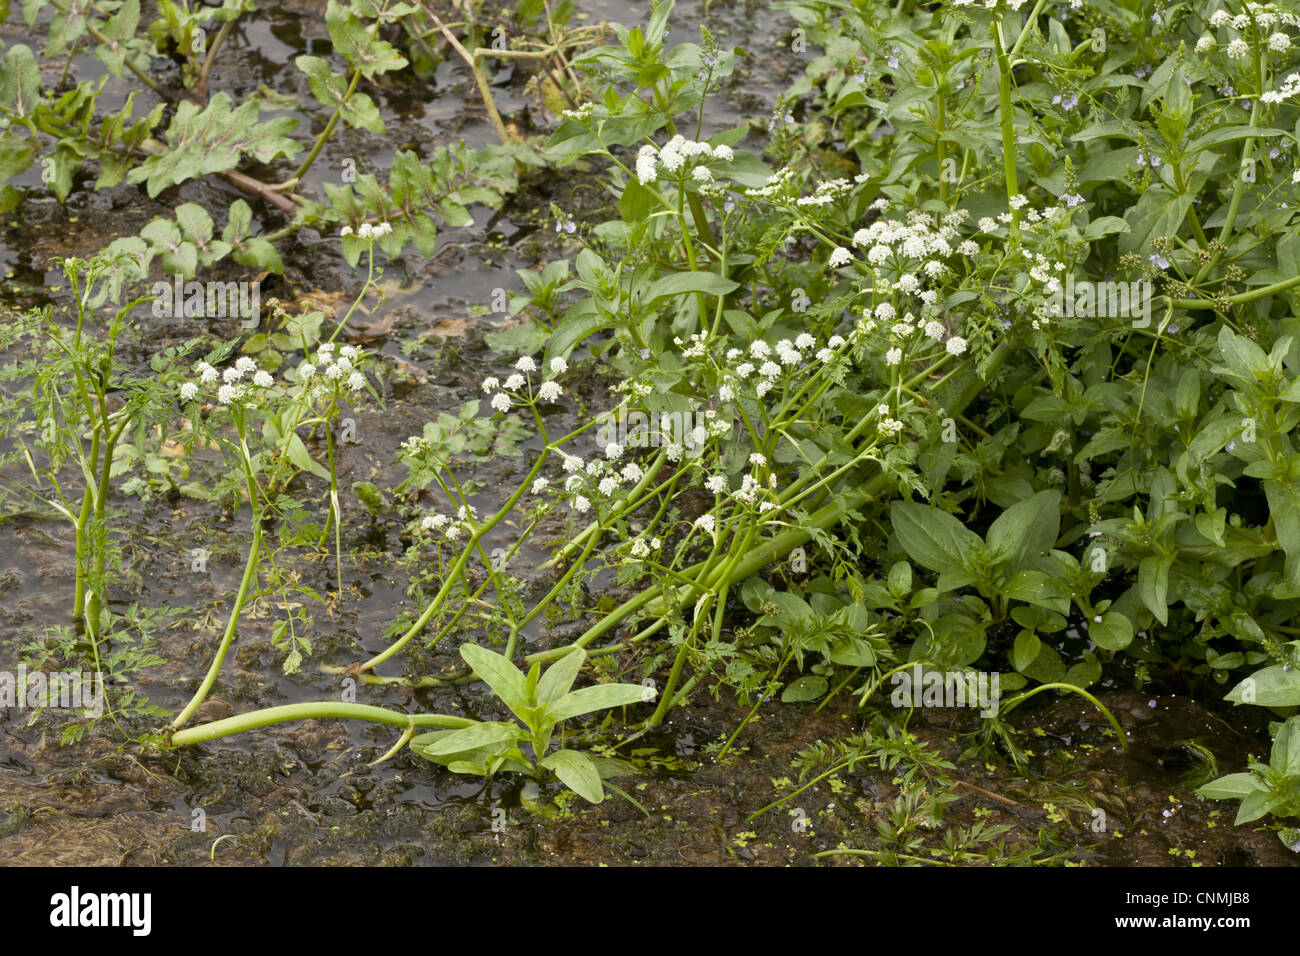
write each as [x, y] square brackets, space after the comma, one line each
[303, 793]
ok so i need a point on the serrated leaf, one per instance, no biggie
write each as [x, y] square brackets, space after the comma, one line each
[20, 80]
[358, 45]
[332, 90]
[213, 139]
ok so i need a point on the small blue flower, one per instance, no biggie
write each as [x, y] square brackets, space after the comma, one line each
[1160, 262]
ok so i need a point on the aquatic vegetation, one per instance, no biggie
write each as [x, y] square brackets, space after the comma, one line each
[974, 370]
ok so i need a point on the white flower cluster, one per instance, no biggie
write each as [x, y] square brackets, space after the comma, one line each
[1290, 87]
[450, 528]
[675, 155]
[1264, 15]
[368, 232]
[236, 380]
[548, 391]
[762, 365]
[826, 193]
[333, 372]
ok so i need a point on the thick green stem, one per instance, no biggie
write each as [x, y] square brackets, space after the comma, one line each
[250, 572]
[321, 710]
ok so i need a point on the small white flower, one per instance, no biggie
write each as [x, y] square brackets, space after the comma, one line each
[549, 391]
[501, 402]
[189, 390]
[514, 383]
[1220, 18]
[893, 356]
[572, 463]
[632, 472]
[757, 460]
[956, 345]
[804, 341]
[744, 370]
[840, 257]
[702, 174]
[345, 231]
[356, 382]
[716, 484]
[639, 548]
[723, 153]
[207, 374]
[228, 393]
[1238, 49]
[581, 505]
[1018, 201]
[706, 522]
[540, 485]
[934, 330]
[559, 366]
[305, 371]
[366, 231]
[262, 379]
[1205, 44]
[608, 485]
[232, 375]
[349, 352]
[613, 450]
[526, 364]
[490, 383]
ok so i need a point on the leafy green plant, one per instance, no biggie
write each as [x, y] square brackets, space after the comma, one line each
[541, 702]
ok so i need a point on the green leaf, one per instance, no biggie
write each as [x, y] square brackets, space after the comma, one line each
[1274, 686]
[358, 44]
[577, 773]
[506, 680]
[213, 139]
[1235, 786]
[684, 282]
[599, 697]
[1113, 632]
[934, 538]
[470, 738]
[332, 90]
[1285, 758]
[804, 689]
[20, 80]
[303, 460]
[1026, 530]
[559, 677]
[1153, 585]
